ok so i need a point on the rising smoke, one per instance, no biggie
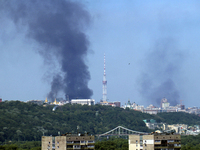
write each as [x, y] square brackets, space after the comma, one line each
[58, 26]
[162, 67]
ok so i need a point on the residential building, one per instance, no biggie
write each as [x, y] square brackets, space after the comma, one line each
[179, 128]
[68, 142]
[151, 123]
[117, 104]
[157, 141]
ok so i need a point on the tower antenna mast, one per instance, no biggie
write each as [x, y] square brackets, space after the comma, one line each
[104, 81]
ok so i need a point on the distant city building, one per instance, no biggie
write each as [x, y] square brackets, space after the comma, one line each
[179, 128]
[58, 101]
[134, 106]
[55, 102]
[182, 107]
[113, 104]
[68, 142]
[83, 101]
[165, 107]
[151, 123]
[103, 102]
[128, 105]
[117, 104]
[157, 141]
[0, 100]
[164, 103]
[151, 111]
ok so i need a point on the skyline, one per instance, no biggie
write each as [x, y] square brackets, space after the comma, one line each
[130, 33]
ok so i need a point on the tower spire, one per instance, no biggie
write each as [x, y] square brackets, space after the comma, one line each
[104, 73]
[104, 81]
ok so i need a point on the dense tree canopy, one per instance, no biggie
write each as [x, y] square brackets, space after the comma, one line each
[112, 144]
[26, 122]
[179, 117]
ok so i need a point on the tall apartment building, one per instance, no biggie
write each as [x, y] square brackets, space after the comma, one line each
[155, 142]
[68, 142]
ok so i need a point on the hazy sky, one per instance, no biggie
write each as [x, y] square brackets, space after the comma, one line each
[151, 47]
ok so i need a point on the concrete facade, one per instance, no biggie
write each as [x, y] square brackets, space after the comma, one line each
[60, 142]
[155, 142]
[46, 142]
[68, 142]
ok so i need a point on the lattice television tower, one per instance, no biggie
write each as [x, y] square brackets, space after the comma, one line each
[104, 81]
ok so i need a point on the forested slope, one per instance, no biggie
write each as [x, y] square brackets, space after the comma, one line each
[25, 121]
[179, 117]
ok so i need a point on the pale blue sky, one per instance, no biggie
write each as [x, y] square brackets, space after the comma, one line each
[127, 32]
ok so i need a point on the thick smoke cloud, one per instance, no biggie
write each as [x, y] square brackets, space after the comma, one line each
[58, 26]
[161, 71]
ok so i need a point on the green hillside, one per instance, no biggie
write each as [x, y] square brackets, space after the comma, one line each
[179, 117]
[27, 122]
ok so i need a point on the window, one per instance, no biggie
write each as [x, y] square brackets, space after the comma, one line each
[70, 142]
[76, 141]
[90, 146]
[170, 140]
[136, 141]
[77, 146]
[57, 146]
[157, 140]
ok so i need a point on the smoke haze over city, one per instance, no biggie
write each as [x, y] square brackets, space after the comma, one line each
[56, 49]
[57, 26]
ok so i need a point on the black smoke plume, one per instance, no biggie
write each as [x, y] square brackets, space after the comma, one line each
[161, 72]
[58, 26]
